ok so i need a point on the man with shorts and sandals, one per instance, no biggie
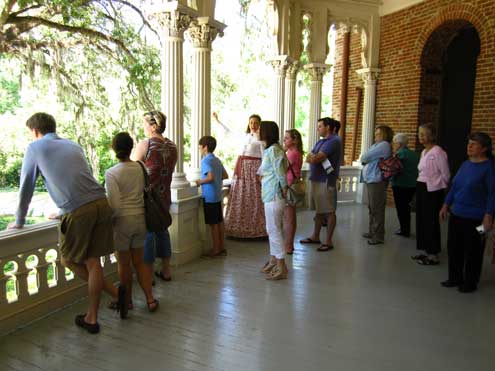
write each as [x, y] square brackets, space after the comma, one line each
[85, 227]
[324, 162]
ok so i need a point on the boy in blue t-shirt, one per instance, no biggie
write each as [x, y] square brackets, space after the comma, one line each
[212, 174]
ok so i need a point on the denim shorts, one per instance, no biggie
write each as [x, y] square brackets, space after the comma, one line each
[157, 245]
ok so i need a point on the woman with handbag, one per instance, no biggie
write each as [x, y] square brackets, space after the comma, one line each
[375, 185]
[124, 183]
[273, 172]
[159, 155]
[404, 183]
[294, 151]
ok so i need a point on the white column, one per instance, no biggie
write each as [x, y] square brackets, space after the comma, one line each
[202, 34]
[175, 23]
[290, 95]
[279, 65]
[316, 72]
[369, 76]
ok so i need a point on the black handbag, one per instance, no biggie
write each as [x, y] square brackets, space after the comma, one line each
[158, 219]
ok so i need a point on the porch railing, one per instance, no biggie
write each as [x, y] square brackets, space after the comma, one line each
[33, 281]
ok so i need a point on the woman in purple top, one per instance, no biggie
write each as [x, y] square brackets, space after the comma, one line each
[433, 178]
[294, 151]
[471, 203]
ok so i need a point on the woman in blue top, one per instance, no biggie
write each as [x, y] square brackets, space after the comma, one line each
[471, 203]
[273, 171]
[375, 185]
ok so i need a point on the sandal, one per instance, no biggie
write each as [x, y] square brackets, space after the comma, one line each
[418, 257]
[153, 306]
[276, 275]
[268, 267]
[219, 254]
[160, 275]
[428, 261]
[309, 241]
[324, 247]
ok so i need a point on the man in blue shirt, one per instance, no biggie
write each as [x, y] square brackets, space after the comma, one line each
[85, 228]
[324, 162]
[212, 175]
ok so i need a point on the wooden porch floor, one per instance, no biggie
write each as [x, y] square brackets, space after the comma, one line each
[355, 308]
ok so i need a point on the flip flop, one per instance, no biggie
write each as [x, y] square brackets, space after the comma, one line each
[324, 247]
[309, 241]
[160, 275]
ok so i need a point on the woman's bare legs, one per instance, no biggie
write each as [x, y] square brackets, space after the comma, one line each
[290, 225]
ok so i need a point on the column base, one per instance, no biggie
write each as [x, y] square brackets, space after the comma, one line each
[181, 187]
[187, 232]
[193, 175]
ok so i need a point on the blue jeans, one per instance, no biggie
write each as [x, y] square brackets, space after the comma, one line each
[157, 244]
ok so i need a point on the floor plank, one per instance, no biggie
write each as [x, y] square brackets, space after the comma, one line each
[355, 308]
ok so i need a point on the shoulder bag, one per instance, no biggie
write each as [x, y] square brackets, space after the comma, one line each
[296, 191]
[158, 219]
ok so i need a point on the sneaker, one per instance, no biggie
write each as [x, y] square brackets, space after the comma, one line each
[89, 327]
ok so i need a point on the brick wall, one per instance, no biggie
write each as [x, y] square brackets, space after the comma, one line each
[353, 81]
[404, 35]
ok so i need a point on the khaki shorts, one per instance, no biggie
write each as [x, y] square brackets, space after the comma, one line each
[323, 198]
[129, 232]
[86, 232]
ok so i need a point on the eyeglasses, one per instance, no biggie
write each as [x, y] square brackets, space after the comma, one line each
[152, 118]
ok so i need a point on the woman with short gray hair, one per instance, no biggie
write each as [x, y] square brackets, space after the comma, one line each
[404, 183]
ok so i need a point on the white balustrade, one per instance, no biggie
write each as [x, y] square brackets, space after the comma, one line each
[33, 281]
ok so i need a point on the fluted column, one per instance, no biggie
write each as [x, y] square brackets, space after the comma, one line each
[316, 72]
[173, 22]
[290, 95]
[279, 65]
[369, 76]
[202, 32]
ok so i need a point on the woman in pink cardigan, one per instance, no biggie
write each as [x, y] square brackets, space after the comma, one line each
[432, 181]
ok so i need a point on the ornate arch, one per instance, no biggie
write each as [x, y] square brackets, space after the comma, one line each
[454, 12]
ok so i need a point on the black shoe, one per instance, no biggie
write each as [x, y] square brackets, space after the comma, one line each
[375, 242]
[450, 283]
[89, 327]
[466, 288]
[123, 307]
[403, 234]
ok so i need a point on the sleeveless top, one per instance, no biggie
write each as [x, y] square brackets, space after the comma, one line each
[160, 162]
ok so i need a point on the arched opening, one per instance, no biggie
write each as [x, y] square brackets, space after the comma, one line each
[448, 75]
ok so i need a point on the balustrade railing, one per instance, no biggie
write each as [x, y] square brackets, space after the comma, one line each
[33, 281]
[347, 184]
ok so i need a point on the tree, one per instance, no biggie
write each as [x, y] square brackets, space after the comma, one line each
[93, 52]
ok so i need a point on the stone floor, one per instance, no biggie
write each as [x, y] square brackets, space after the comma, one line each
[355, 308]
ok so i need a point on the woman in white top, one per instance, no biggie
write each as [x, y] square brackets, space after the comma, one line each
[124, 183]
[245, 215]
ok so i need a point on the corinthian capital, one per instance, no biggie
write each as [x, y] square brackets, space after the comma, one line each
[204, 30]
[317, 70]
[369, 75]
[280, 64]
[292, 70]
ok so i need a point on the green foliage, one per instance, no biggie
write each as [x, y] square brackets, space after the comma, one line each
[9, 95]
